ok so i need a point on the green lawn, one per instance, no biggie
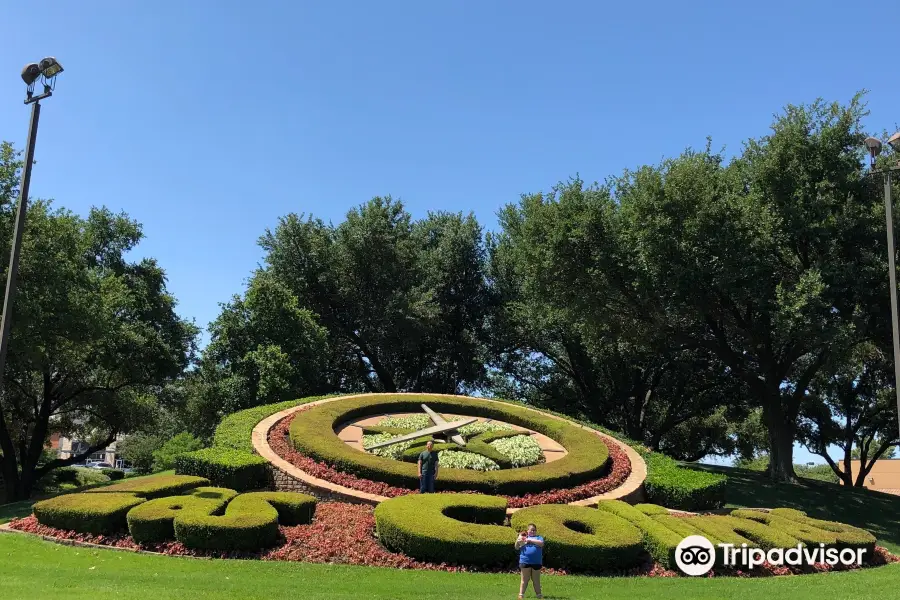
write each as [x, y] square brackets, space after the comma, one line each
[36, 569]
[874, 511]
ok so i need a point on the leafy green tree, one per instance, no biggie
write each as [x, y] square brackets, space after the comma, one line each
[591, 358]
[263, 348]
[90, 331]
[852, 406]
[138, 449]
[164, 457]
[769, 262]
[402, 301]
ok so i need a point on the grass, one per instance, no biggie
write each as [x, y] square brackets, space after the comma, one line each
[874, 511]
[37, 569]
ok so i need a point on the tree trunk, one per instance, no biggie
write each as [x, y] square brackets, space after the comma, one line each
[14, 489]
[781, 440]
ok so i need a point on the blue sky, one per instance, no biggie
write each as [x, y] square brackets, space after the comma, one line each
[207, 120]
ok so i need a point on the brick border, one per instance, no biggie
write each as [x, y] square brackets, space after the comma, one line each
[288, 477]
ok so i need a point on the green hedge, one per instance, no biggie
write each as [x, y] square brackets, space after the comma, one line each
[581, 538]
[87, 513]
[154, 487]
[667, 482]
[250, 521]
[65, 475]
[588, 457]
[658, 540]
[153, 521]
[846, 536]
[226, 467]
[235, 430]
[803, 532]
[464, 529]
[673, 486]
[114, 474]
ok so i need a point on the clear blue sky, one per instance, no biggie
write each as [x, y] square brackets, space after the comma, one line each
[207, 120]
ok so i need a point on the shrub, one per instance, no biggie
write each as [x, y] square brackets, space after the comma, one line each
[153, 520]
[581, 538]
[114, 474]
[733, 530]
[846, 536]
[312, 432]
[138, 449]
[669, 485]
[226, 467]
[453, 528]
[658, 540]
[651, 509]
[65, 475]
[250, 522]
[803, 532]
[164, 458]
[87, 513]
[667, 482]
[236, 429]
[156, 486]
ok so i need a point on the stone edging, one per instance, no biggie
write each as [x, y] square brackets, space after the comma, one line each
[291, 478]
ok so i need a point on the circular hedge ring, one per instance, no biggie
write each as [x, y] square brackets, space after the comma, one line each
[313, 434]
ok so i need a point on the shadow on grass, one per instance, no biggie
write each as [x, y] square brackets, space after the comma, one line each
[16, 510]
[877, 512]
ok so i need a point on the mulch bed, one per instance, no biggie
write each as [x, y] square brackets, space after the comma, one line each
[279, 441]
[344, 533]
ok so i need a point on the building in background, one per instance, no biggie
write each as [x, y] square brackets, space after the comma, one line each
[884, 476]
[69, 447]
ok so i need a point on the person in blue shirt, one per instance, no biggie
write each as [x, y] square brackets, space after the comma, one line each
[531, 557]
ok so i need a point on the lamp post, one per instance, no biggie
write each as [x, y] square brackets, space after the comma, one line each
[46, 71]
[874, 146]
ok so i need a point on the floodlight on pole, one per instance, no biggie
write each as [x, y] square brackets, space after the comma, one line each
[874, 146]
[46, 70]
[894, 142]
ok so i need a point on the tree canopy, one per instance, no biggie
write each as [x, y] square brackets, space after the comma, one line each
[91, 330]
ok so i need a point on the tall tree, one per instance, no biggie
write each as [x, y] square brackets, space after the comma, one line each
[91, 330]
[263, 348]
[590, 358]
[402, 300]
[766, 262]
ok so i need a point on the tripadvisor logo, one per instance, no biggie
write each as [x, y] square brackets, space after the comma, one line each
[695, 556]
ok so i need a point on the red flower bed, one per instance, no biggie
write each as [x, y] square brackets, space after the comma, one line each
[345, 534]
[279, 441]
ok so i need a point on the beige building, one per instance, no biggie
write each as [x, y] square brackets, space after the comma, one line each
[68, 447]
[884, 476]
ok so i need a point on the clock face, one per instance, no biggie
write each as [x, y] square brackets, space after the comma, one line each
[462, 441]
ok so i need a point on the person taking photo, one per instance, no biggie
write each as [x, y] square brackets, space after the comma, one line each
[531, 558]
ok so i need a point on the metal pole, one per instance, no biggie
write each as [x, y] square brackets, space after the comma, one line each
[889, 216]
[18, 233]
